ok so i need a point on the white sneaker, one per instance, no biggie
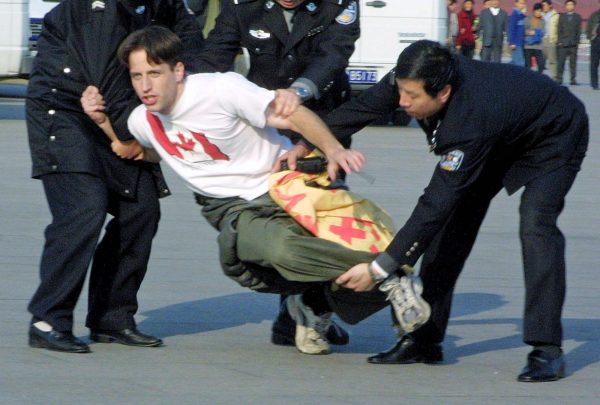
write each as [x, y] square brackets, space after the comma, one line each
[310, 328]
[404, 293]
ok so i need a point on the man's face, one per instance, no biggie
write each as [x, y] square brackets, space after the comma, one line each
[493, 3]
[289, 3]
[467, 6]
[537, 13]
[545, 7]
[157, 85]
[569, 6]
[521, 5]
[416, 102]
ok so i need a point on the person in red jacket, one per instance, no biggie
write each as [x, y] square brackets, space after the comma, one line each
[465, 40]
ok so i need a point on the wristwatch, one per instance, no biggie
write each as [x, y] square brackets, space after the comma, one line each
[302, 92]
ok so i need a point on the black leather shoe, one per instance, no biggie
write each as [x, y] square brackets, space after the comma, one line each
[57, 341]
[542, 366]
[407, 351]
[283, 331]
[129, 336]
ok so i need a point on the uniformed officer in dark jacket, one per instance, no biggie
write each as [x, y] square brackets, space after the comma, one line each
[84, 180]
[300, 46]
[529, 132]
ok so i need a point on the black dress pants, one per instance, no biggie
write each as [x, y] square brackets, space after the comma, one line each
[79, 204]
[562, 53]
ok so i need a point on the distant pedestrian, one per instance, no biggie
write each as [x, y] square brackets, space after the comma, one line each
[452, 23]
[569, 32]
[534, 36]
[465, 40]
[493, 23]
[516, 32]
[550, 37]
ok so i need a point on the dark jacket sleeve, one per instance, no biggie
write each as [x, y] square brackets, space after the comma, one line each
[376, 102]
[434, 207]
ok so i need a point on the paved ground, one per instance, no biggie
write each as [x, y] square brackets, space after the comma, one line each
[217, 334]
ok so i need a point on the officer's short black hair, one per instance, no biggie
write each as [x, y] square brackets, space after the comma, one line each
[430, 62]
[161, 46]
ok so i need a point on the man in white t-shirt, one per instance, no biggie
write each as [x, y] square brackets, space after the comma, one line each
[216, 131]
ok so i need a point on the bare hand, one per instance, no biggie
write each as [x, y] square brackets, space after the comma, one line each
[93, 104]
[298, 151]
[346, 159]
[127, 149]
[286, 102]
[357, 278]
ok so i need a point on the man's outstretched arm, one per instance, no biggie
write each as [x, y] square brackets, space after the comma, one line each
[307, 123]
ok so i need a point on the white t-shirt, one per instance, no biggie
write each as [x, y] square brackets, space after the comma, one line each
[215, 138]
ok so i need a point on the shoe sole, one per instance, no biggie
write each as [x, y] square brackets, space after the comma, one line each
[423, 314]
[100, 338]
[39, 343]
[420, 307]
[420, 360]
[541, 380]
[561, 374]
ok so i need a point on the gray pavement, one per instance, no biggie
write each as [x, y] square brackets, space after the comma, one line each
[217, 334]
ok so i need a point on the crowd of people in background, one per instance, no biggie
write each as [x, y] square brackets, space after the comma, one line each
[537, 36]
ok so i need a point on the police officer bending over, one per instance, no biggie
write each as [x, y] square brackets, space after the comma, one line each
[300, 46]
[531, 133]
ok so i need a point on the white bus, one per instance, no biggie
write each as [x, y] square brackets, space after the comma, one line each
[387, 27]
[14, 37]
[20, 26]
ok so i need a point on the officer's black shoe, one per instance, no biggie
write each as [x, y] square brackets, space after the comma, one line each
[542, 366]
[407, 350]
[57, 341]
[129, 336]
[284, 331]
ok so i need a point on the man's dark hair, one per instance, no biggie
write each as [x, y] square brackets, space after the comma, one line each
[548, 2]
[430, 62]
[571, 1]
[160, 44]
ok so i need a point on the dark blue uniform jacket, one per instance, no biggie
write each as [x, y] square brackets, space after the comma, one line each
[499, 118]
